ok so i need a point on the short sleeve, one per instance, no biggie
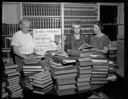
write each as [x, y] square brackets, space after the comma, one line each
[15, 40]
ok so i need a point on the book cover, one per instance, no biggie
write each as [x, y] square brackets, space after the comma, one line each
[85, 75]
[83, 84]
[85, 71]
[84, 87]
[64, 87]
[65, 81]
[33, 69]
[13, 74]
[65, 92]
[7, 71]
[78, 53]
[63, 59]
[98, 78]
[64, 76]
[10, 66]
[82, 79]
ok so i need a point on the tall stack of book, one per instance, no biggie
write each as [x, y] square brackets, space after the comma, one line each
[41, 82]
[13, 85]
[99, 69]
[32, 66]
[4, 90]
[112, 70]
[84, 65]
[64, 72]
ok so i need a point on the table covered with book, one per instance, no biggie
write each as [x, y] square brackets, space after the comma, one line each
[60, 73]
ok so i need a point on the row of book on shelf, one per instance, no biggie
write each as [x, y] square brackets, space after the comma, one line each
[80, 12]
[37, 22]
[79, 71]
[41, 10]
[9, 29]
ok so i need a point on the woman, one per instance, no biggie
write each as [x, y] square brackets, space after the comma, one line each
[22, 43]
[100, 41]
[75, 39]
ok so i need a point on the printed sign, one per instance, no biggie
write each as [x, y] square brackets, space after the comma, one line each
[46, 39]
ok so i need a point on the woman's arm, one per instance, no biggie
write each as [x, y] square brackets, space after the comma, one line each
[105, 50]
[17, 52]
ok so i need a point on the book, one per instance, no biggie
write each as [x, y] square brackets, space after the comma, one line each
[13, 74]
[100, 69]
[99, 60]
[83, 84]
[63, 59]
[41, 74]
[7, 71]
[64, 76]
[98, 78]
[78, 53]
[65, 71]
[82, 79]
[100, 73]
[100, 66]
[42, 82]
[85, 75]
[65, 92]
[80, 59]
[98, 82]
[85, 67]
[5, 94]
[33, 69]
[84, 63]
[84, 87]
[10, 66]
[42, 79]
[65, 81]
[64, 87]
[85, 71]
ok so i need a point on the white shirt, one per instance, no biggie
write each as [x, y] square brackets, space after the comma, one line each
[24, 42]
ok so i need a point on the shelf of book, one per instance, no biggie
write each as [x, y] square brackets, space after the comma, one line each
[86, 14]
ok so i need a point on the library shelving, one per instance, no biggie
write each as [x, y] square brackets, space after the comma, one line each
[86, 14]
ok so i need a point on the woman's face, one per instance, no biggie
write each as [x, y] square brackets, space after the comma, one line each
[76, 29]
[25, 27]
[96, 28]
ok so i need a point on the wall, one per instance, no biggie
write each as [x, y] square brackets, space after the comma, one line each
[10, 12]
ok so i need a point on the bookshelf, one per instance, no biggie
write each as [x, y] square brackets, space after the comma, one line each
[42, 15]
[86, 14]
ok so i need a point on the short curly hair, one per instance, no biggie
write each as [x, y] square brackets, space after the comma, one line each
[100, 24]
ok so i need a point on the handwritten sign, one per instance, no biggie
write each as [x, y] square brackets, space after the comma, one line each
[45, 39]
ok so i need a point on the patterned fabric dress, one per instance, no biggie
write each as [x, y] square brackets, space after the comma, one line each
[72, 43]
[100, 42]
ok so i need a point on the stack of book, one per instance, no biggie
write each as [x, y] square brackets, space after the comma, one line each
[112, 70]
[4, 90]
[84, 65]
[64, 75]
[99, 69]
[41, 82]
[32, 66]
[13, 85]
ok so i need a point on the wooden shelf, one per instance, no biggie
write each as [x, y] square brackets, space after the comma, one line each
[42, 16]
[80, 16]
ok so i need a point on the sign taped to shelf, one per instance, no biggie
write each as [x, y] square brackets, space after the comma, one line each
[46, 39]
